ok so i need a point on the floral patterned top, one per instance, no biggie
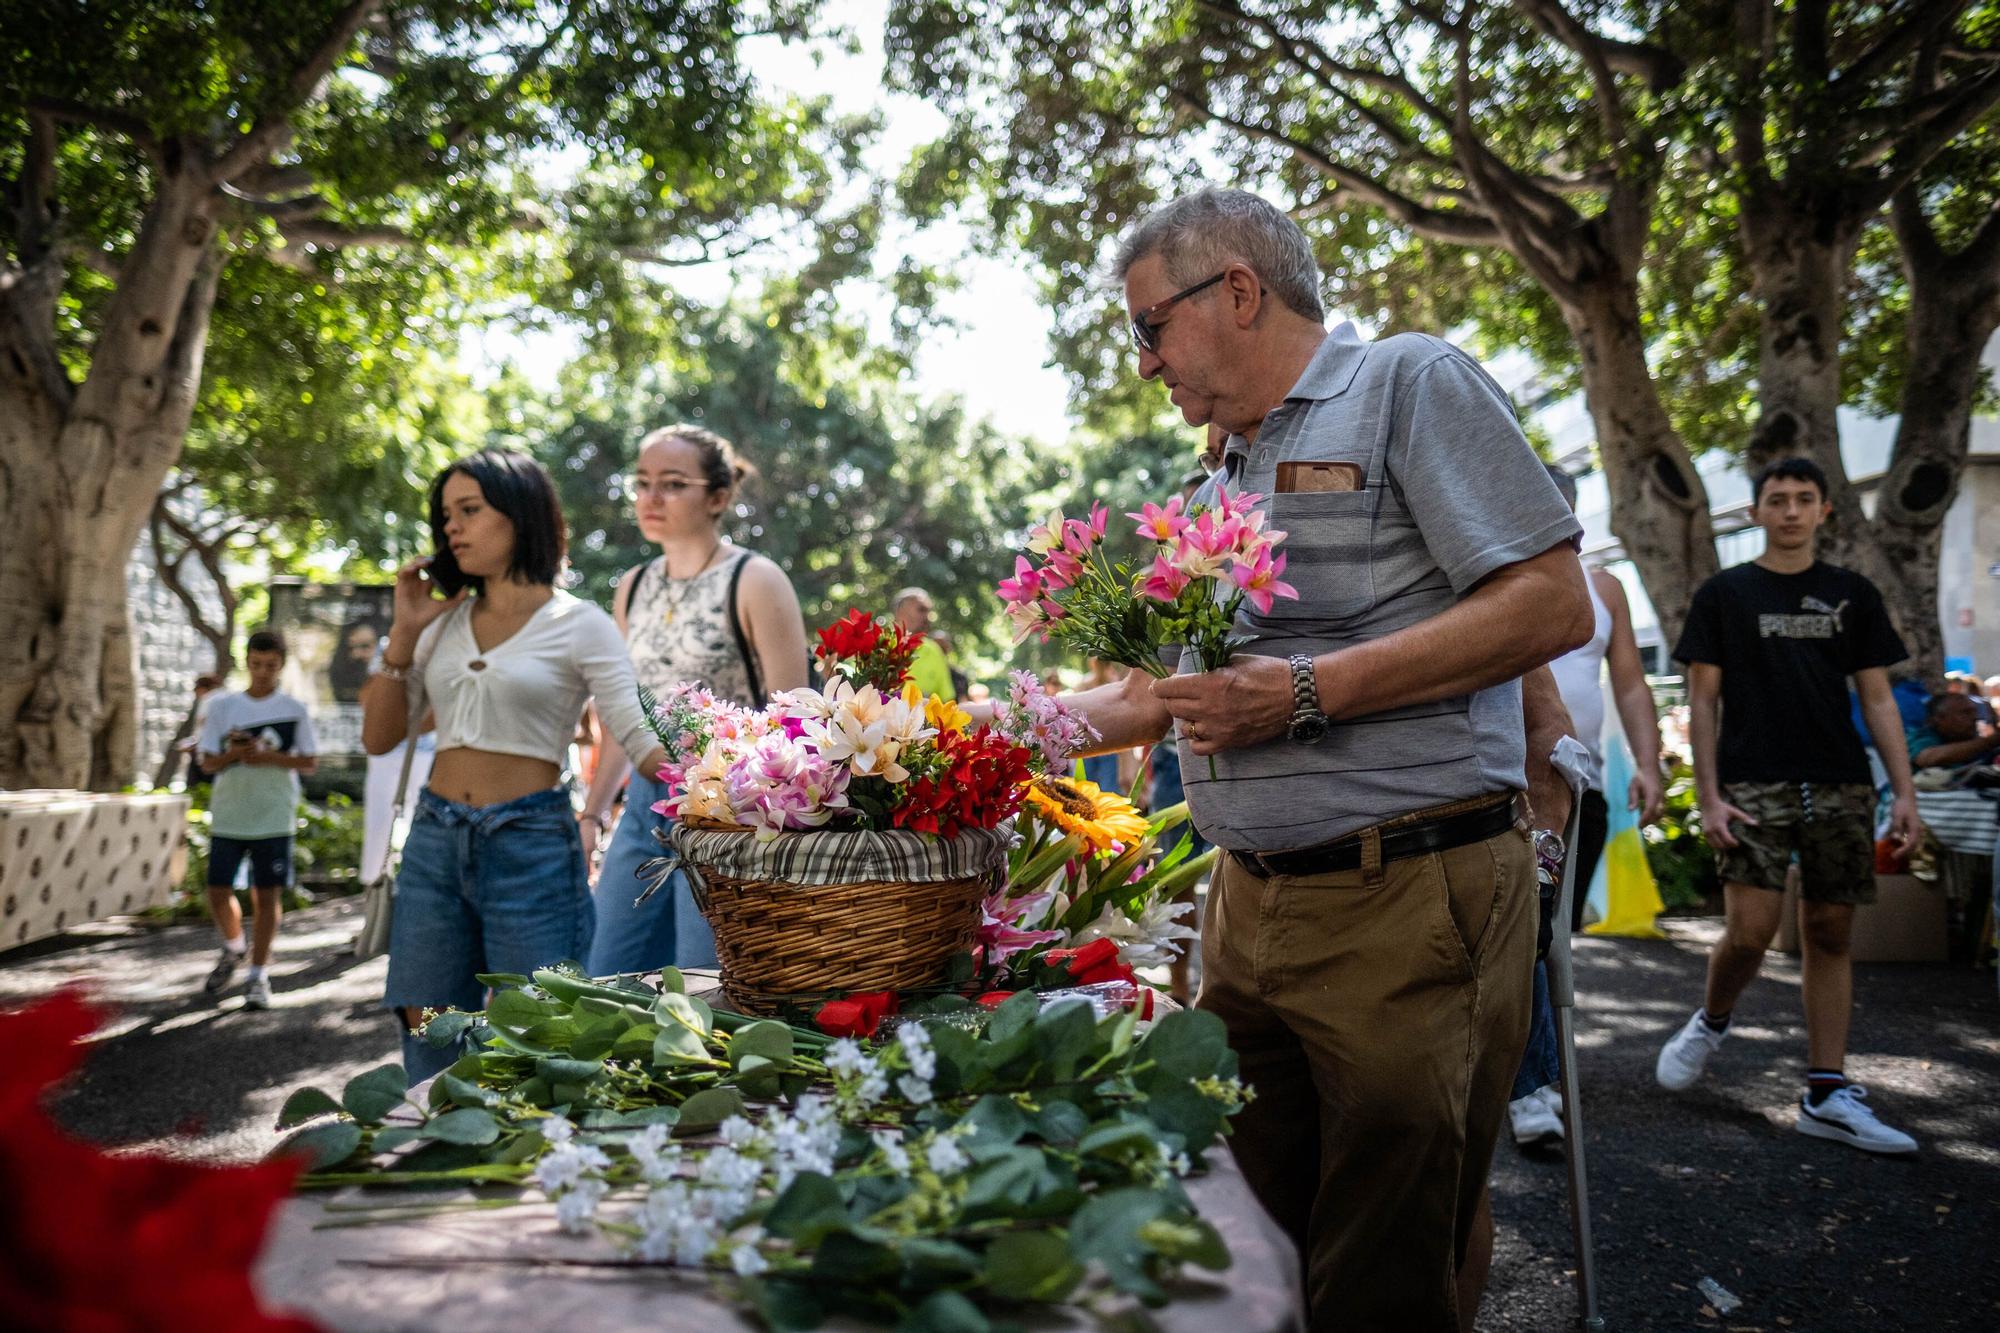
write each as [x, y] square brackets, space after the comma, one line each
[680, 630]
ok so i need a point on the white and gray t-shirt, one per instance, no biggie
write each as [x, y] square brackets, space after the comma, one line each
[1409, 481]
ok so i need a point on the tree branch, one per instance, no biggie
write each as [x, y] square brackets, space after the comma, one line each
[1928, 18]
[1454, 225]
[1565, 27]
[104, 118]
[274, 124]
[1975, 96]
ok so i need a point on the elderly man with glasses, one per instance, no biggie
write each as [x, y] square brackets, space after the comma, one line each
[1369, 937]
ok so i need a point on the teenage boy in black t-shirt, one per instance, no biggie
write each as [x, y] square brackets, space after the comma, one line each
[1775, 641]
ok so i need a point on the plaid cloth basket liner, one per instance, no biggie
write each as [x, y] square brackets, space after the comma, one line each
[895, 855]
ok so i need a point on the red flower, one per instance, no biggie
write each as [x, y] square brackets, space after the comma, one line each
[1107, 972]
[1084, 958]
[89, 1240]
[868, 651]
[857, 1015]
[853, 635]
[980, 782]
[993, 999]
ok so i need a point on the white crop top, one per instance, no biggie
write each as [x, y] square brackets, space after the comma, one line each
[523, 695]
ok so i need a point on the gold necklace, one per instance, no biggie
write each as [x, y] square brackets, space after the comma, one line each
[677, 589]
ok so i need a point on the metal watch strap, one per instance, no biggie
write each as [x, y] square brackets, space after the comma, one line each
[1305, 689]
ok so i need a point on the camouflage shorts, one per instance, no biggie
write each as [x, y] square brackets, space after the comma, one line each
[1828, 827]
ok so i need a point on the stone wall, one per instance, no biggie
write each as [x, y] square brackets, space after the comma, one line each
[170, 654]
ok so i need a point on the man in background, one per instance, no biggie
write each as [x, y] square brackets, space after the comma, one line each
[914, 612]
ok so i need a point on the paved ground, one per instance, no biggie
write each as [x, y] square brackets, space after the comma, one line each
[1714, 1183]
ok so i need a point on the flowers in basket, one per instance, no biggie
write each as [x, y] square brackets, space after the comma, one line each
[868, 751]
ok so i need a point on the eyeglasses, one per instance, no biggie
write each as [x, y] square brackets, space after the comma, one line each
[1145, 325]
[671, 488]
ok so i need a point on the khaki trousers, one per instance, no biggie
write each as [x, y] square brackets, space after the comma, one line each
[1379, 1015]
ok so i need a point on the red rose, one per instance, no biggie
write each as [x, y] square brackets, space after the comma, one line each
[993, 999]
[1104, 972]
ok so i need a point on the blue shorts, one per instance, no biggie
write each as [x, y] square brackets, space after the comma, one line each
[493, 888]
[270, 861]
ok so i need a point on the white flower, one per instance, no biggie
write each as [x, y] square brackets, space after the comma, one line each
[1148, 940]
[577, 1206]
[845, 1056]
[890, 1143]
[916, 1045]
[945, 1157]
[915, 1091]
[675, 1224]
[737, 1132]
[557, 1130]
[745, 1257]
[1178, 1164]
[565, 1167]
[655, 1155]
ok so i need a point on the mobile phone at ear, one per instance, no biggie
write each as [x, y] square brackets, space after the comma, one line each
[445, 575]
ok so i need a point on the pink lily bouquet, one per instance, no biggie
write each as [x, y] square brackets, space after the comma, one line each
[1207, 561]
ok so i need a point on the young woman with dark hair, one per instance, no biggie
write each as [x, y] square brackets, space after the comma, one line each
[493, 876]
[706, 610]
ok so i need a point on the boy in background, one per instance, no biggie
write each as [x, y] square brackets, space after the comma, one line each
[256, 743]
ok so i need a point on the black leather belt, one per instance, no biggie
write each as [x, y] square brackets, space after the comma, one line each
[1432, 835]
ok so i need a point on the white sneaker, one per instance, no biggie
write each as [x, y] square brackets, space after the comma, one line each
[1846, 1118]
[1535, 1124]
[1553, 1098]
[1686, 1054]
[257, 993]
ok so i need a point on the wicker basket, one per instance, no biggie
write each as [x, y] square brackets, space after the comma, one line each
[805, 913]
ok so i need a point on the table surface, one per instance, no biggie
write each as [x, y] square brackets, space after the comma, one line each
[415, 1275]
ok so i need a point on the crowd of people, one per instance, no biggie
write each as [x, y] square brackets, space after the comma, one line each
[1378, 764]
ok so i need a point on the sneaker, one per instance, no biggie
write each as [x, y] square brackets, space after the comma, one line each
[1845, 1117]
[1686, 1054]
[1553, 1098]
[1535, 1123]
[225, 968]
[257, 995]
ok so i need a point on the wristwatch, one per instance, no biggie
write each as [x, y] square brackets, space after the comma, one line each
[1309, 724]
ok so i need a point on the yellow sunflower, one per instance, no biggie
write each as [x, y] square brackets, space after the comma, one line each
[1082, 808]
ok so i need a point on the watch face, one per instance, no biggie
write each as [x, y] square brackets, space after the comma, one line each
[1306, 730]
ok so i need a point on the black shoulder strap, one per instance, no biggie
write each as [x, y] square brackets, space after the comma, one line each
[757, 699]
[631, 590]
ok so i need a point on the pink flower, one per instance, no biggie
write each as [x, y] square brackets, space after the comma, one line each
[1163, 583]
[1260, 582]
[1025, 586]
[1001, 932]
[1028, 619]
[1160, 523]
[1061, 569]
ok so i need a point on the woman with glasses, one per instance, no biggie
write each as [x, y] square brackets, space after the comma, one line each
[493, 876]
[704, 610]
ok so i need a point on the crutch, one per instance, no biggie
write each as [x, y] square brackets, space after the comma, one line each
[1562, 1000]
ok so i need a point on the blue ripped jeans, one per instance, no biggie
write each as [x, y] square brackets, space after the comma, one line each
[490, 888]
[667, 928]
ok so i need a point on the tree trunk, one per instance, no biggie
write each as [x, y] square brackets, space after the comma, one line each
[1659, 507]
[1799, 267]
[79, 469]
[1954, 308]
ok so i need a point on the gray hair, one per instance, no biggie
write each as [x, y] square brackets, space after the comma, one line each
[1564, 483]
[1200, 233]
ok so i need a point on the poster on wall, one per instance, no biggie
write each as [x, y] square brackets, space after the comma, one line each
[333, 631]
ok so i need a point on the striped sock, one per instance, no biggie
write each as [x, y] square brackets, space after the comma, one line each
[1822, 1083]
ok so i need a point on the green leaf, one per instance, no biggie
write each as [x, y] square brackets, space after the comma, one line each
[786, 1305]
[465, 1093]
[370, 1096]
[770, 1039]
[808, 1210]
[994, 1122]
[447, 1028]
[469, 1125]
[1187, 1044]
[927, 1260]
[709, 1108]
[682, 1030]
[1116, 1139]
[1106, 1230]
[846, 1258]
[1013, 1017]
[1187, 1240]
[1061, 1123]
[323, 1146]
[758, 1077]
[560, 1070]
[1065, 1033]
[503, 980]
[652, 1115]
[394, 1137]
[1031, 1266]
[1005, 1183]
[514, 1010]
[303, 1105]
[635, 1043]
[672, 980]
[944, 1312]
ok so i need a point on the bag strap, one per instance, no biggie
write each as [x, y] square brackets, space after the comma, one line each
[757, 699]
[396, 810]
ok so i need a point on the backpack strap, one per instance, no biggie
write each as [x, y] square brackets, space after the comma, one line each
[757, 699]
[631, 590]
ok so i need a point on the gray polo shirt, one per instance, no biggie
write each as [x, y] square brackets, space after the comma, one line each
[1445, 490]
